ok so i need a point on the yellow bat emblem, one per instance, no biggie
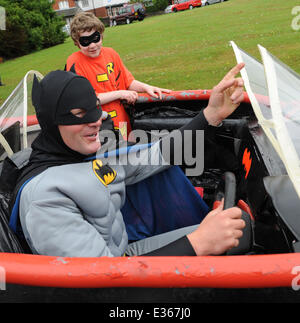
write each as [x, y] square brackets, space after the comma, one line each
[104, 172]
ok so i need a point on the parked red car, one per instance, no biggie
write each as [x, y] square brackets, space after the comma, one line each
[185, 4]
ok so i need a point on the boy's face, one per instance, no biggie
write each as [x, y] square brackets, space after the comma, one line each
[94, 48]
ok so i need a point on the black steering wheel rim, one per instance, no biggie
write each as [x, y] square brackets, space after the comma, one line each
[246, 242]
[230, 190]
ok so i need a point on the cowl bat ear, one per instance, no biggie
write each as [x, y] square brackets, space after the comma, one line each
[36, 93]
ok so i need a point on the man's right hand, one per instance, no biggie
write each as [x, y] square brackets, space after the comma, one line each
[219, 231]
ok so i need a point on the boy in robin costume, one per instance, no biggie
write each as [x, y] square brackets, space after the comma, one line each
[103, 67]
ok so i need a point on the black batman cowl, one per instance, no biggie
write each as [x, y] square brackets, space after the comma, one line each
[53, 98]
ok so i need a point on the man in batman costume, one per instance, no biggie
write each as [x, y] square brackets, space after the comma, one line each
[70, 204]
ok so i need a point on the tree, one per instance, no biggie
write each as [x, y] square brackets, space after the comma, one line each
[160, 4]
[30, 25]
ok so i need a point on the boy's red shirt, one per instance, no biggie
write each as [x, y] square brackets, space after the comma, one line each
[106, 73]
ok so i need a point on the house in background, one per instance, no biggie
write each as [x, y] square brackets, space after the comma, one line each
[67, 9]
[101, 8]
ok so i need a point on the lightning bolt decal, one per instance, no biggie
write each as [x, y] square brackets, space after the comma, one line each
[247, 161]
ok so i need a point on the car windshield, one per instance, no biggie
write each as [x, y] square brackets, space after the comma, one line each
[288, 87]
[274, 91]
[284, 89]
[256, 86]
[15, 107]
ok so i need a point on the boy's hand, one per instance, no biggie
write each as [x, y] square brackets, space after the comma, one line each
[129, 96]
[156, 92]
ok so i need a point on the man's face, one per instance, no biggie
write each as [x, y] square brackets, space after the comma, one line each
[83, 138]
[94, 48]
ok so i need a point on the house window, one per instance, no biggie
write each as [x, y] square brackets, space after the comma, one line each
[84, 3]
[63, 4]
[113, 11]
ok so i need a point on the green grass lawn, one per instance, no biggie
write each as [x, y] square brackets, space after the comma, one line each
[184, 50]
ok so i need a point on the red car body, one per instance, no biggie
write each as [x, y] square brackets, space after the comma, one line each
[186, 4]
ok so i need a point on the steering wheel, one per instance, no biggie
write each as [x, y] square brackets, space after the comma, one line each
[230, 190]
[246, 241]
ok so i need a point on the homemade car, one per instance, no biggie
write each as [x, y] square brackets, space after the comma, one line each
[253, 158]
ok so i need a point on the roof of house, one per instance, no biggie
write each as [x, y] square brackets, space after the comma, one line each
[70, 12]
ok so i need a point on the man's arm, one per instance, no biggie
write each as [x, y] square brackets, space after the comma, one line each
[218, 232]
[224, 100]
[221, 229]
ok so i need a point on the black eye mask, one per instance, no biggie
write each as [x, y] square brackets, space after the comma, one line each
[85, 41]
